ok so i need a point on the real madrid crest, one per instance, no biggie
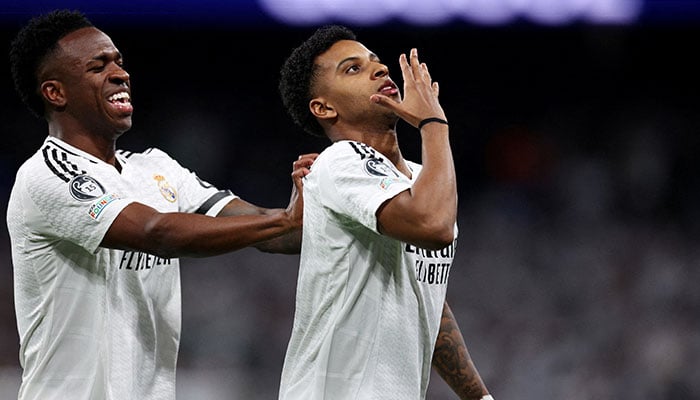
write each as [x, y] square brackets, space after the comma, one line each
[168, 192]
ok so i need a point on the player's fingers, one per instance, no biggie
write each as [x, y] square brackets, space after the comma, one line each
[304, 161]
[298, 180]
[426, 73]
[416, 65]
[405, 68]
[308, 155]
[385, 101]
[299, 173]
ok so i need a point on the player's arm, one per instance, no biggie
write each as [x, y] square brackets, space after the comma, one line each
[287, 243]
[426, 214]
[141, 228]
[453, 363]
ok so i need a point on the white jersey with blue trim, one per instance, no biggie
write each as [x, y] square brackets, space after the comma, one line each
[368, 306]
[96, 323]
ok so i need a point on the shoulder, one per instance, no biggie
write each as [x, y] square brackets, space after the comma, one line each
[346, 151]
[152, 152]
[149, 158]
[48, 174]
[349, 148]
[356, 161]
[55, 161]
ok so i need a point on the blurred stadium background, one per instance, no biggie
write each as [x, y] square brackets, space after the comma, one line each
[575, 127]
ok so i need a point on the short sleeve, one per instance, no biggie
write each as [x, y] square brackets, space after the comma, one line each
[355, 180]
[80, 210]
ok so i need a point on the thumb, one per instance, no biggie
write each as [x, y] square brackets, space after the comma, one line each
[384, 101]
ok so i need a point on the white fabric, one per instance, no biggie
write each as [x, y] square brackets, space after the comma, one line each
[368, 307]
[95, 323]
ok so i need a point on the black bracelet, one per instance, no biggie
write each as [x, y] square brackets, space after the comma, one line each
[429, 120]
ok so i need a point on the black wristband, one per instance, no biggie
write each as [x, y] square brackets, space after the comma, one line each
[429, 120]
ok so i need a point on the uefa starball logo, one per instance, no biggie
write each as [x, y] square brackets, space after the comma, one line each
[377, 167]
[85, 188]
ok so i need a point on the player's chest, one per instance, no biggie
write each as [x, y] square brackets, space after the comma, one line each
[153, 187]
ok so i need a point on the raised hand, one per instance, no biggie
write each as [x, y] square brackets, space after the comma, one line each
[420, 93]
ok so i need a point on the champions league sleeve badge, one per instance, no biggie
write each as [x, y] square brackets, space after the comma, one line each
[169, 193]
[85, 188]
[377, 167]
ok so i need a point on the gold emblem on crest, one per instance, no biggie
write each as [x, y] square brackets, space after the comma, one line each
[168, 192]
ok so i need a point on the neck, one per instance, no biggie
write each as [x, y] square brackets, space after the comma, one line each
[102, 147]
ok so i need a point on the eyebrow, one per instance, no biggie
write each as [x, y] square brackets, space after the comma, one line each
[372, 57]
[106, 55]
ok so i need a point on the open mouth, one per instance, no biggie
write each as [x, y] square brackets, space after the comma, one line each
[389, 89]
[121, 101]
[121, 97]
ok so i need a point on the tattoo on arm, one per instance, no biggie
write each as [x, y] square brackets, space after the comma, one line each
[452, 361]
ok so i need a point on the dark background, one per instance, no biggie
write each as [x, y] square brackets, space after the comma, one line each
[578, 257]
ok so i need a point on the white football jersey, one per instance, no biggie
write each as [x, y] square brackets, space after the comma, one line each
[96, 323]
[368, 307]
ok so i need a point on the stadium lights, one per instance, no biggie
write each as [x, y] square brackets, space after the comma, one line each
[436, 12]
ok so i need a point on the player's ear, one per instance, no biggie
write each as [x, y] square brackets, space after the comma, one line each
[321, 109]
[52, 91]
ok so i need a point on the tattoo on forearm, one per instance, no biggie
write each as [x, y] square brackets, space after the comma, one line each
[453, 362]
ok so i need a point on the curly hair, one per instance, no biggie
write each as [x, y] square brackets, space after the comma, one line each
[33, 44]
[298, 74]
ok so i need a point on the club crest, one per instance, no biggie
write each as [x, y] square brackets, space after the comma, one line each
[85, 188]
[169, 193]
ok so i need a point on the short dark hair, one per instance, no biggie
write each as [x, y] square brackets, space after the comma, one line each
[298, 75]
[30, 48]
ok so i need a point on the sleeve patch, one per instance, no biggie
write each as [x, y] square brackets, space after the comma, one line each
[97, 208]
[377, 167]
[85, 188]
